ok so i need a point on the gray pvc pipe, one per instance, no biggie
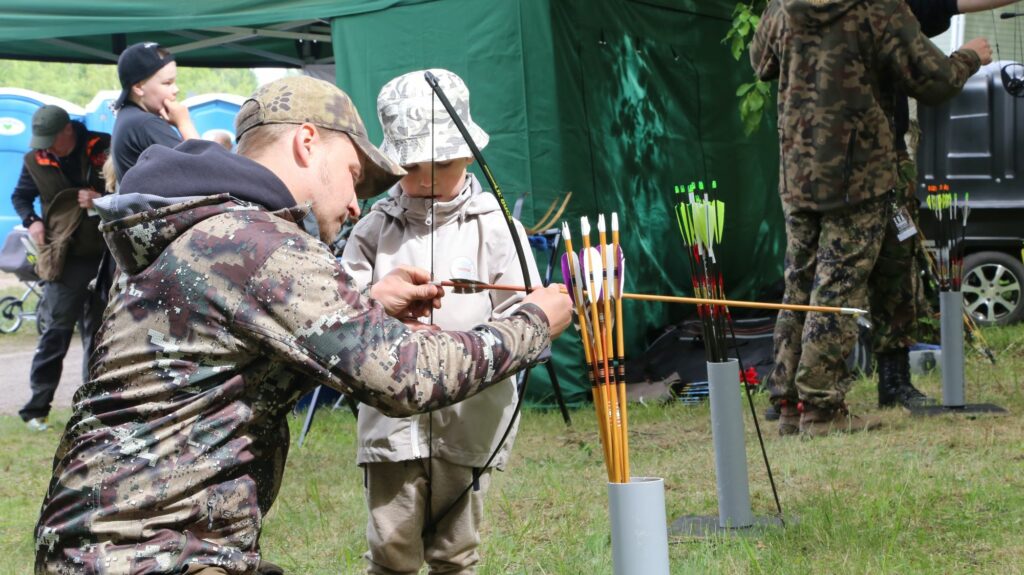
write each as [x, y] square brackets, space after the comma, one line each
[639, 527]
[730, 446]
[951, 325]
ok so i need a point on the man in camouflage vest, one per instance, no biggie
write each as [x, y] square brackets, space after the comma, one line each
[838, 63]
[64, 171]
[228, 307]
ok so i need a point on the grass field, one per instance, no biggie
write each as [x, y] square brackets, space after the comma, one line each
[940, 495]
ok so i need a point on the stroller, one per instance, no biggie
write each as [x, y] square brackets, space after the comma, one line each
[18, 257]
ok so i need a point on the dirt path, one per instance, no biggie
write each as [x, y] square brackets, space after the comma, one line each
[17, 360]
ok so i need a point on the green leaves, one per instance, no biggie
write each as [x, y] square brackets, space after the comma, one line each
[78, 83]
[744, 22]
[753, 95]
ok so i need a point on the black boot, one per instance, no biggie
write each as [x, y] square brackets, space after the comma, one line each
[894, 386]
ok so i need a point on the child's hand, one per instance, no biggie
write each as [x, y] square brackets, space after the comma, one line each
[174, 111]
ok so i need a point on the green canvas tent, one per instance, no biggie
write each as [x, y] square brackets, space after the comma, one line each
[616, 101]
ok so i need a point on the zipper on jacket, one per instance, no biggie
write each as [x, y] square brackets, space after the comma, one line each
[414, 437]
[848, 172]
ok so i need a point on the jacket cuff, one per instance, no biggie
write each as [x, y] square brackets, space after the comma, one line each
[534, 312]
[30, 219]
[970, 57]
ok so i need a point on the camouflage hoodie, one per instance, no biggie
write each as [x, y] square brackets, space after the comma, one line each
[224, 314]
[838, 63]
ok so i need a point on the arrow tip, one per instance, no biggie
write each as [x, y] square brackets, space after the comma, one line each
[615, 221]
[600, 223]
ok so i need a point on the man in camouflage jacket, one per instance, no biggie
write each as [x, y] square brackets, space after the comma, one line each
[226, 310]
[837, 63]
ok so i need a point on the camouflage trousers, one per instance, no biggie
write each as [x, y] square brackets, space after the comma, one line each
[829, 258]
[895, 285]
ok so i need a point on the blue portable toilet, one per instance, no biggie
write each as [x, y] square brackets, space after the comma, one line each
[98, 115]
[214, 113]
[16, 109]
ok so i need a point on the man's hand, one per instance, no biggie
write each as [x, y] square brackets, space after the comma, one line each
[37, 232]
[981, 47]
[85, 198]
[177, 115]
[555, 303]
[406, 292]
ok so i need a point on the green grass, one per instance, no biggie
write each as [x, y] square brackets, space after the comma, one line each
[940, 495]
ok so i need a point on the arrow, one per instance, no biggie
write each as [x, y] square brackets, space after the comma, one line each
[472, 286]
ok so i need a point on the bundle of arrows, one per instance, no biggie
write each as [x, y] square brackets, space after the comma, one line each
[701, 218]
[594, 278]
[951, 217]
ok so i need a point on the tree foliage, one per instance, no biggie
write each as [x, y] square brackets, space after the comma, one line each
[755, 95]
[78, 83]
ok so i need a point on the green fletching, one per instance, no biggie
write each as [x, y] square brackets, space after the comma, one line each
[700, 223]
[679, 220]
[720, 223]
[688, 222]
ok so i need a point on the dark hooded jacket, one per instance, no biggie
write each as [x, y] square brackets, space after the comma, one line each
[838, 63]
[223, 315]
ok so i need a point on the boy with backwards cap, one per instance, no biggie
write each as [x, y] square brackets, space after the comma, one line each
[436, 217]
[147, 106]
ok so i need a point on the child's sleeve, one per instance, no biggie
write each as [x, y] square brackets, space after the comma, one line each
[504, 303]
[361, 249]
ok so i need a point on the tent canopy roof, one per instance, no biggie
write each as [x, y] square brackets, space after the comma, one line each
[211, 33]
[214, 33]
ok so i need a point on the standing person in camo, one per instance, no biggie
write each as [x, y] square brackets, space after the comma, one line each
[437, 217]
[147, 107]
[897, 292]
[838, 63]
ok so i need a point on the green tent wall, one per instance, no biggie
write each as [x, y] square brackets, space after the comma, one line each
[614, 100]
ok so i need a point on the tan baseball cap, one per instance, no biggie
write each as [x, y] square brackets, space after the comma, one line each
[302, 99]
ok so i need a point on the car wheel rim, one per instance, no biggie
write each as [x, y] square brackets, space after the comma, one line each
[991, 292]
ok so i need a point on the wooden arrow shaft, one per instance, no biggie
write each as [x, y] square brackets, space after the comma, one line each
[678, 299]
[740, 303]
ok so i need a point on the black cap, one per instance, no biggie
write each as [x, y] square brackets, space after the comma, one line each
[136, 63]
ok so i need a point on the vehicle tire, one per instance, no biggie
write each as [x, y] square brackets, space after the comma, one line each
[10, 314]
[992, 287]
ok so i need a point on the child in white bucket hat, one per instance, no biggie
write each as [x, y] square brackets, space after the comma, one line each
[437, 217]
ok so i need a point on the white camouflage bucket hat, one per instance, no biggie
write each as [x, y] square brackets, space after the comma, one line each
[404, 109]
